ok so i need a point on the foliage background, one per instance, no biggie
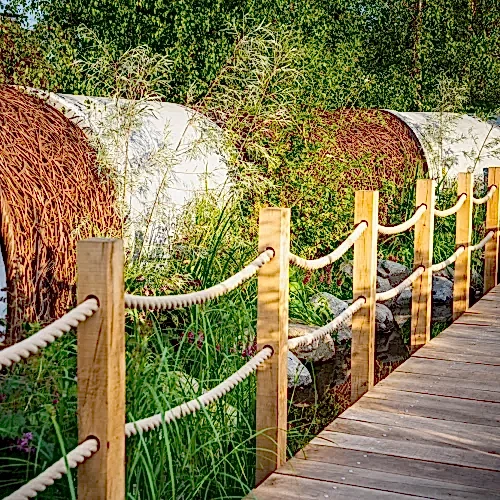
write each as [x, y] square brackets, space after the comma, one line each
[368, 53]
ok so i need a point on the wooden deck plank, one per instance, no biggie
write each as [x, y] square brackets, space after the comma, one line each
[280, 487]
[410, 449]
[419, 430]
[455, 369]
[386, 481]
[443, 386]
[427, 405]
[457, 356]
[470, 346]
[431, 429]
[455, 474]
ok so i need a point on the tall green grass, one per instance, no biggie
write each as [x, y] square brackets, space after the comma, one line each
[171, 358]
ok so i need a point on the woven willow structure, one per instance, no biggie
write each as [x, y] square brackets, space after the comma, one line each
[51, 194]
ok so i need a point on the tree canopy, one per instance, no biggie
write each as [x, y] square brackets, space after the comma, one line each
[369, 53]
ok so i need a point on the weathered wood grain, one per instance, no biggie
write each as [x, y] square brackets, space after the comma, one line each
[101, 369]
[272, 330]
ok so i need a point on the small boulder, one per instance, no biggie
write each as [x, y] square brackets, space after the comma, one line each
[298, 374]
[319, 351]
[389, 342]
[336, 306]
[383, 284]
[387, 268]
[346, 268]
[442, 291]
[185, 383]
[384, 320]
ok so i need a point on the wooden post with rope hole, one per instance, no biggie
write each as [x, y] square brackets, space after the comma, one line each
[461, 284]
[492, 224]
[421, 307]
[364, 285]
[101, 369]
[272, 330]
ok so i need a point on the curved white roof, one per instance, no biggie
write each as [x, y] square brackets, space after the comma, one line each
[454, 143]
[173, 155]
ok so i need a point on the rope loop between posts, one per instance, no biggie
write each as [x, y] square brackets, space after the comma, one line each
[483, 242]
[27, 347]
[328, 328]
[452, 258]
[333, 256]
[47, 478]
[452, 210]
[486, 197]
[177, 301]
[209, 397]
[389, 294]
[404, 225]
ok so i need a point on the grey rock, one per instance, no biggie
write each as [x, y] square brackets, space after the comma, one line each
[346, 267]
[442, 291]
[319, 351]
[442, 300]
[447, 272]
[389, 342]
[383, 284]
[336, 306]
[384, 320]
[185, 383]
[386, 268]
[298, 374]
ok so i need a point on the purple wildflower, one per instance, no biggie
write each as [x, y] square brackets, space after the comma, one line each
[23, 444]
[201, 339]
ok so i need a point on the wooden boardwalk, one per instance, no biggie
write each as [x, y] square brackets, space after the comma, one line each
[431, 429]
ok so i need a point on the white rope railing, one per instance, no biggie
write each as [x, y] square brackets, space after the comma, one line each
[486, 197]
[202, 296]
[47, 478]
[27, 347]
[209, 397]
[404, 225]
[389, 294]
[331, 257]
[328, 328]
[452, 210]
[452, 258]
[483, 242]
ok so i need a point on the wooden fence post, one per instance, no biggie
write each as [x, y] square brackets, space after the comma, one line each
[421, 307]
[101, 369]
[461, 285]
[272, 330]
[364, 285]
[492, 224]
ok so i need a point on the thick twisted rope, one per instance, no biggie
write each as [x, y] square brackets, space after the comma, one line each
[202, 296]
[452, 258]
[483, 242]
[49, 334]
[486, 197]
[389, 294]
[56, 471]
[452, 210]
[404, 225]
[328, 328]
[209, 397]
[331, 257]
